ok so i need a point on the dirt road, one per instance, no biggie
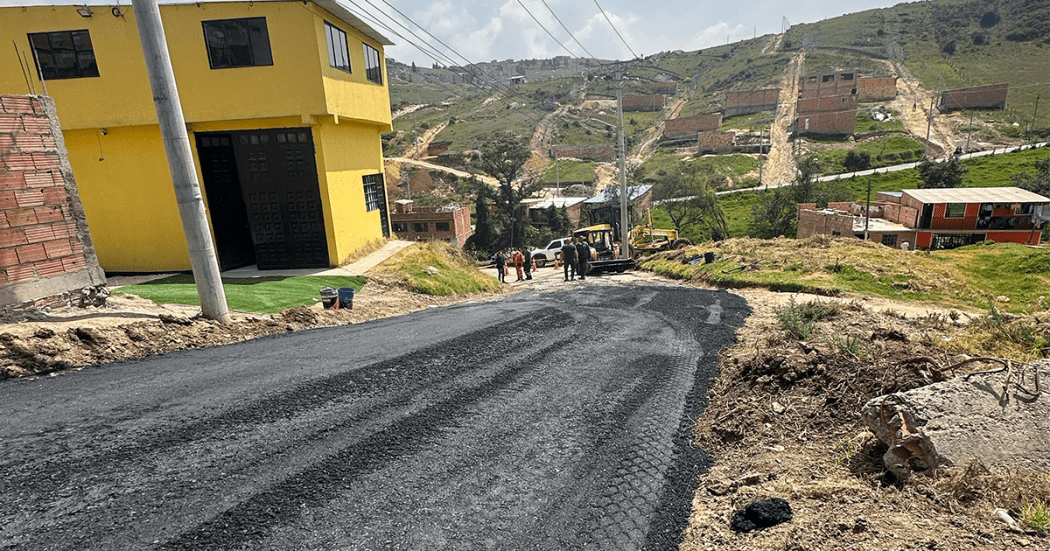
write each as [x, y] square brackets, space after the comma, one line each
[552, 420]
[780, 163]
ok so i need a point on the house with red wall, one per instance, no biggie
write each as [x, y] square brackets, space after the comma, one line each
[936, 218]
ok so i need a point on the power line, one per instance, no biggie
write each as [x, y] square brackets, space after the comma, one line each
[545, 29]
[614, 29]
[558, 19]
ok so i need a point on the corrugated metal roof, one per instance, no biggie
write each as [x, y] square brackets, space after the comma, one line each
[557, 202]
[334, 7]
[976, 195]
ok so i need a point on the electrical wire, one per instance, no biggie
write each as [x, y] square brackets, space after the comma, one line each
[614, 29]
[558, 19]
[545, 30]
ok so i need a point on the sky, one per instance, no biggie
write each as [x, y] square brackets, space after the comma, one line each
[486, 30]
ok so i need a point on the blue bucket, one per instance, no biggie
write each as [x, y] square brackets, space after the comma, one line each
[346, 298]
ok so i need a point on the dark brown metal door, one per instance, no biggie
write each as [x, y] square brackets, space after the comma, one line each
[280, 188]
[229, 217]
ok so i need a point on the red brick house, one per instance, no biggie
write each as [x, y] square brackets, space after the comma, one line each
[414, 223]
[936, 218]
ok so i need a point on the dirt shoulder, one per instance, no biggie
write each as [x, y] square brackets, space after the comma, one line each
[783, 422]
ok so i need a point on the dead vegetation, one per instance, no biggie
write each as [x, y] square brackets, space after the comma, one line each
[784, 422]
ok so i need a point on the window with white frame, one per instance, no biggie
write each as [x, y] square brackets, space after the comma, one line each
[338, 51]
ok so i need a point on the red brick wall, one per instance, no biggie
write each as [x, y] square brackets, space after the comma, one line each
[983, 97]
[458, 220]
[829, 84]
[687, 126]
[906, 216]
[813, 222]
[653, 102]
[842, 122]
[967, 222]
[876, 88]
[45, 249]
[1024, 237]
[825, 104]
[745, 102]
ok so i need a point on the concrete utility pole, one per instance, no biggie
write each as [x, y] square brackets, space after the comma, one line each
[180, 162]
[624, 247]
[929, 124]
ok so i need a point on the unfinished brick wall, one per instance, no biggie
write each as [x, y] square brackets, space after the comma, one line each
[46, 256]
[654, 102]
[822, 222]
[598, 153]
[715, 140]
[992, 96]
[687, 126]
[745, 102]
[826, 104]
[876, 88]
[828, 84]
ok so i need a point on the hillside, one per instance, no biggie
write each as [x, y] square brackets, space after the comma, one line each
[928, 46]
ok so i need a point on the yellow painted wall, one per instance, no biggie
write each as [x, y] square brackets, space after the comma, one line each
[296, 84]
[348, 151]
[128, 199]
[128, 196]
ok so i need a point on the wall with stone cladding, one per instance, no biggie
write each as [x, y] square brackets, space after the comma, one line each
[687, 126]
[876, 88]
[715, 140]
[46, 256]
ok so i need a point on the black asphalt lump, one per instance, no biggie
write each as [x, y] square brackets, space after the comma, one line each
[761, 514]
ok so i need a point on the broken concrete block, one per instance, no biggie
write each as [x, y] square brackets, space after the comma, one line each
[997, 418]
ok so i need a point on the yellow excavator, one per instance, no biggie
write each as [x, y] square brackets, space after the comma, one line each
[605, 243]
[647, 239]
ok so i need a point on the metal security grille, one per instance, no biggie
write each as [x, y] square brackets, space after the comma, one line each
[373, 191]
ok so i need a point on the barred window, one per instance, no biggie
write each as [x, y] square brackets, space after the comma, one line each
[373, 68]
[401, 227]
[889, 239]
[64, 54]
[373, 191]
[420, 226]
[338, 51]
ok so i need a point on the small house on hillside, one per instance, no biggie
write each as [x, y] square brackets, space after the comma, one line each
[413, 223]
[935, 218]
[284, 101]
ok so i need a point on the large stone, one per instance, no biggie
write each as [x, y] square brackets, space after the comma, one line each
[983, 417]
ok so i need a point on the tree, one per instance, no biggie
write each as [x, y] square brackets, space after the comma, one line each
[804, 187]
[482, 238]
[558, 221]
[689, 200]
[774, 214]
[945, 174]
[503, 157]
[857, 161]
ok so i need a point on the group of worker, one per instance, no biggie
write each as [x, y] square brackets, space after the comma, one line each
[574, 256]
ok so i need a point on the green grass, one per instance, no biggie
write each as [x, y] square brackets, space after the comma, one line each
[457, 274]
[267, 295]
[755, 122]
[569, 173]
[888, 150]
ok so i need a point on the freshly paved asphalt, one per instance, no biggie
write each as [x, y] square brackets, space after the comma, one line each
[557, 420]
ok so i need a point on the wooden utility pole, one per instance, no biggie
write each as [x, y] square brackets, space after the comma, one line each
[180, 162]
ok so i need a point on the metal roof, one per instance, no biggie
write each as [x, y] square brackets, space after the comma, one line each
[557, 202]
[336, 8]
[976, 195]
[612, 192]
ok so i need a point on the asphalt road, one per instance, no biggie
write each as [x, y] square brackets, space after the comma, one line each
[555, 420]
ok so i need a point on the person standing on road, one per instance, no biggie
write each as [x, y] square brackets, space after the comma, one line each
[501, 266]
[519, 262]
[528, 262]
[568, 259]
[583, 256]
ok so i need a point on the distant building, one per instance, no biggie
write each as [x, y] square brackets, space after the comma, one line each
[414, 223]
[745, 102]
[604, 208]
[687, 127]
[827, 104]
[654, 102]
[537, 211]
[935, 218]
[519, 79]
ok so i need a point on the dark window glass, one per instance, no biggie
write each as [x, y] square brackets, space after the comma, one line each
[441, 226]
[373, 69]
[64, 54]
[400, 227]
[338, 51]
[373, 191]
[237, 42]
[419, 226]
[955, 210]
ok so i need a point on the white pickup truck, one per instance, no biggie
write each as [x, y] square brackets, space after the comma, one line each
[546, 254]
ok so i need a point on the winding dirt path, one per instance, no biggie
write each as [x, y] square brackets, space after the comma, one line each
[779, 165]
[913, 103]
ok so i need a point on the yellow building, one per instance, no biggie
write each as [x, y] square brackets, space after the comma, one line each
[284, 102]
